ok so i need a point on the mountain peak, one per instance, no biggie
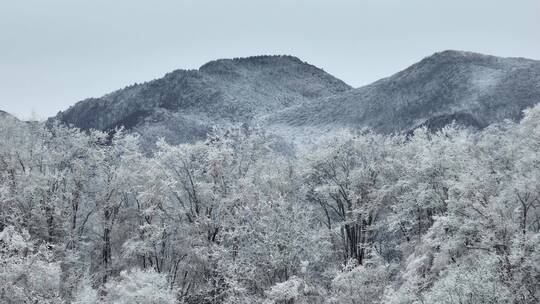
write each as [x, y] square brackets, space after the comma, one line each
[457, 53]
[221, 91]
[466, 57]
[470, 88]
[252, 62]
[457, 57]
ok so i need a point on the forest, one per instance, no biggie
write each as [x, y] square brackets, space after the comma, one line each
[449, 217]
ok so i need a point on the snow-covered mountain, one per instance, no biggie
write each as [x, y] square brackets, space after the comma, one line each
[469, 88]
[353, 218]
[184, 105]
[287, 93]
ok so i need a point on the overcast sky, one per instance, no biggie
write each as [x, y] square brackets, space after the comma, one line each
[56, 52]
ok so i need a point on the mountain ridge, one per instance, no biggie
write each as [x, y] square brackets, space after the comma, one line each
[219, 92]
[475, 89]
[469, 88]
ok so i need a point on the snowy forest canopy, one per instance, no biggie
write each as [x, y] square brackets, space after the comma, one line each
[446, 217]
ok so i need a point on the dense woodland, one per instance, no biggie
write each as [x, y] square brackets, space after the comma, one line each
[242, 217]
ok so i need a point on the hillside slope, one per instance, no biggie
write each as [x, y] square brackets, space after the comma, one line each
[469, 88]
[183, 105]
[290, 96]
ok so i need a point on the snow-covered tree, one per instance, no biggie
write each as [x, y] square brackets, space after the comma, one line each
[242, 217]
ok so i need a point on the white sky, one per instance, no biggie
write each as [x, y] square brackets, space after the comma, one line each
[54, 53]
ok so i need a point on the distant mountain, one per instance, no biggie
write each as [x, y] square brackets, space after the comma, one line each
[184, 105]
[469, 88]
[287, 94]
